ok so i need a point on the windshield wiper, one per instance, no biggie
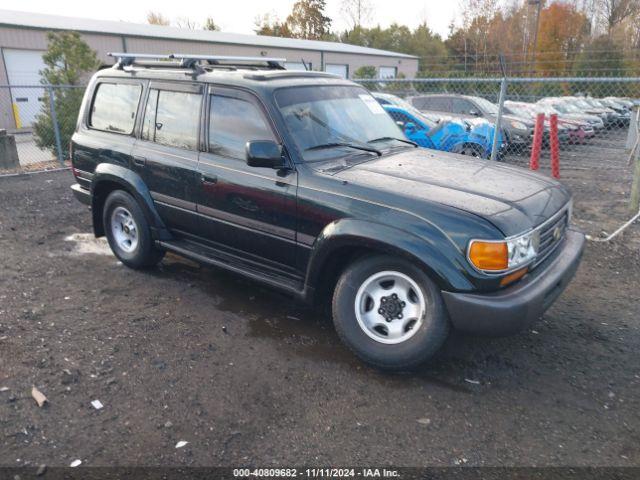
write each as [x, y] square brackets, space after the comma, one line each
[345, 144]
[382, 139]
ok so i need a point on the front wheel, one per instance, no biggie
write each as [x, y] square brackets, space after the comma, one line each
[389, 313]
[472, 151]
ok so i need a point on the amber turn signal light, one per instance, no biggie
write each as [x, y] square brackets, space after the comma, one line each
[489, 255]
[512, 277]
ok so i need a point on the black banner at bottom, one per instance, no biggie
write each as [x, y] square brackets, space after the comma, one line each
[430, 473]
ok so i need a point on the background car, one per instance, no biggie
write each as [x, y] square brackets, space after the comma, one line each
[568, 110]
[568, 130]
[472, 137]
[517, 131]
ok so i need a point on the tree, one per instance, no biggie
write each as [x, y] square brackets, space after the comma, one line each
[561, 36]
[615, 12]
[209, 24]
[68, 61]
[357, 12]
[186, 23]
[307, 20]
[367, 71]
[270, 25]
[156, 18]
[592, 61]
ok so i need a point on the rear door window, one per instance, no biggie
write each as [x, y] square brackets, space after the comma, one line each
[463, 106]
[439, 104]
[172, 119]
[114, 107]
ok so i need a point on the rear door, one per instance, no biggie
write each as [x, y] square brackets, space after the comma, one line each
[248, 210]
[166, 153]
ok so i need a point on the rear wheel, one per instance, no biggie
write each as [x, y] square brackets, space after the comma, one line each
[389, 313]
[128, 231]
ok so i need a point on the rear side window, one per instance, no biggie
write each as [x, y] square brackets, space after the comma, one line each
[172, 119]
[439, 104]
[234, 122]
[460, 105]
[114, 107]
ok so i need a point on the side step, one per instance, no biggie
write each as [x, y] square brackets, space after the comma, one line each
[203, 254]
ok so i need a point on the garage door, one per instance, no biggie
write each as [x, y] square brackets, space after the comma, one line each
[387, 72]
[337, 69]
[23, 68]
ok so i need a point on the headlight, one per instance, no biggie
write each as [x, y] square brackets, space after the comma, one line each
[500, 256]
[517, 125]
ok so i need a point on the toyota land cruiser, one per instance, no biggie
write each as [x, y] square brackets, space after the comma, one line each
[301, 180]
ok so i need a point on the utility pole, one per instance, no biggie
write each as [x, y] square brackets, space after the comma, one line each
[538, 4]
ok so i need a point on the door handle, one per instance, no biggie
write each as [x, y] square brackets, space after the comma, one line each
[140, 161]
[209, 179]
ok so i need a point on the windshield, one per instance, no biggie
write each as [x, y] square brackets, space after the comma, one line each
[583, 104]
[520, 111]
[567, 108]
[486, 105]
[320, 116]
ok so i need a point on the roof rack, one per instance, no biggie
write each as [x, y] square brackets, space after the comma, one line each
[194, 61]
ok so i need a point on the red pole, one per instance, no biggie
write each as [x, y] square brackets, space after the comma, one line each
[534, 162]
[554, 146]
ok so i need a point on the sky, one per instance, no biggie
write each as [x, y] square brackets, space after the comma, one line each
[239, 17]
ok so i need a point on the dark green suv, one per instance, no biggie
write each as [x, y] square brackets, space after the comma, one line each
[301, 181]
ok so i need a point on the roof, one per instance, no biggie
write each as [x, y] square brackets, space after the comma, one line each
[87, 25]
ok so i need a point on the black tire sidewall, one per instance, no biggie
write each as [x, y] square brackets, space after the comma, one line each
[144, 254]
[410, 353]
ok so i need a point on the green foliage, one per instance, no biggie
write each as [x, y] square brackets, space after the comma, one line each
[68, 61]
[591, 60]
[367, 71]
[268, 25]
[307, 20]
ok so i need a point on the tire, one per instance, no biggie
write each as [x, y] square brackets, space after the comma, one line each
[128, 232]
[472, 151]
[409, 342]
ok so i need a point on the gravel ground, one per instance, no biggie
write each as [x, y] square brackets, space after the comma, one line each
[248, 377]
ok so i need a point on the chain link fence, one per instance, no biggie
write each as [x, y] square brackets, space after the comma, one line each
[596, 122]
[594, 113]
[38, 122]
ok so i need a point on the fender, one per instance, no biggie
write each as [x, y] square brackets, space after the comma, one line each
[134, 185]
[436, 255]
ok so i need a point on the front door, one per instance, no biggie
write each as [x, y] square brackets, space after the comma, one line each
[248, 210]
[166, 155]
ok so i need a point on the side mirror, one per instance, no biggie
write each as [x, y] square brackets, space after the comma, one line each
[264, 153]
[410, 127]
[475, 113]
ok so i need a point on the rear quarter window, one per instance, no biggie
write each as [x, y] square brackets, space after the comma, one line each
[439, 104]
[114, 107]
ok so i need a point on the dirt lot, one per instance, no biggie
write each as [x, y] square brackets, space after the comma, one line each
[248, 377]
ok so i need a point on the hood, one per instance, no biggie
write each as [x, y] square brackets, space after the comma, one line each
[511, 198]
[527, 121]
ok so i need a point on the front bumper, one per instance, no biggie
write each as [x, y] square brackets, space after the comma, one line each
[518, 306]
[83, 195]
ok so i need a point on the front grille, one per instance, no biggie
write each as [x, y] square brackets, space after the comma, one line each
[551, 234]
